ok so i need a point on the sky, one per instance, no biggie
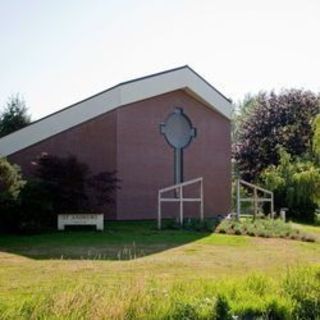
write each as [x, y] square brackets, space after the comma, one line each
[55, 53]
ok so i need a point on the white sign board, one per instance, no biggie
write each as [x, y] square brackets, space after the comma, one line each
[90, 219]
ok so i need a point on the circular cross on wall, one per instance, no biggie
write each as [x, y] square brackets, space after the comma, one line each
[178, 129]
[178, 132]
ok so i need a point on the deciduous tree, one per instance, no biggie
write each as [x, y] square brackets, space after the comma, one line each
[296, 185]
[274, 120]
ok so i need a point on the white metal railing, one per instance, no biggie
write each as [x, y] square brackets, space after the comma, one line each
[255, 199]
[179, 189]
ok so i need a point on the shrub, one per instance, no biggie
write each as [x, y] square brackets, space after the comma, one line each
[64, 179]
[59, 185]
[11, 184]
[11, 181]
[317, 218]
[191, 224]
[71, 186]
[222, 308]
[266, 228]
[103, 185]
[171, 224]
[35, 210]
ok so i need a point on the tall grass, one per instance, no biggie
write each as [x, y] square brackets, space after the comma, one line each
[295, 295]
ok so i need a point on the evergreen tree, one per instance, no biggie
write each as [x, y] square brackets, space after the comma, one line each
[14, 116]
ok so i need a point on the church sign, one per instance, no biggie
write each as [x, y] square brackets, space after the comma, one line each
[90, 219]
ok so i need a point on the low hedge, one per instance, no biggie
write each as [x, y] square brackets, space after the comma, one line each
[191, 224]
[266, 228]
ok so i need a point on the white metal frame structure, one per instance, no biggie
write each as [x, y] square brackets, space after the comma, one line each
[255, 199]
[180, 199]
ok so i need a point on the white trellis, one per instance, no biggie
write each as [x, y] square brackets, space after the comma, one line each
[268, 197]
[178, 188]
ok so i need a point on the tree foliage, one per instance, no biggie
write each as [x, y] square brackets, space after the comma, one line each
[273, 120]
[296, 185]
[64, 179]
[11, 184]
[14, 116]
[11, 181]
[59, 185]
[241, 112]
[71, 185]
[316, 136]
[103, 185]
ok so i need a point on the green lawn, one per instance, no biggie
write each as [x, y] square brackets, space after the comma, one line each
[131, 253]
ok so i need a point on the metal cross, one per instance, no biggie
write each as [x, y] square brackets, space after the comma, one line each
[178, 132]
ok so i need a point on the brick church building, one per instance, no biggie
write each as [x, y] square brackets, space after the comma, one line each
[119, 129]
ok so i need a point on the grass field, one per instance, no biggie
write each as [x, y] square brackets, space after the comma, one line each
[314, 230]
[134, 254]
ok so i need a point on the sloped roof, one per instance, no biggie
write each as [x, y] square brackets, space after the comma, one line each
[122, 94]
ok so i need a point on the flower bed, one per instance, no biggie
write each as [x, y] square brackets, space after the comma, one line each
[266, 228]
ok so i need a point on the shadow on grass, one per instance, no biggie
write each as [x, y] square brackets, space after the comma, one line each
[119, 241]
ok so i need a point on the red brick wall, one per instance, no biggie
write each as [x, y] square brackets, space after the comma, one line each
[128, 140]
[93, 142]
[145, 160]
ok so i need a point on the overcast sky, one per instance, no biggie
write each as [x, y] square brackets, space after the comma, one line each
[58, 52]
